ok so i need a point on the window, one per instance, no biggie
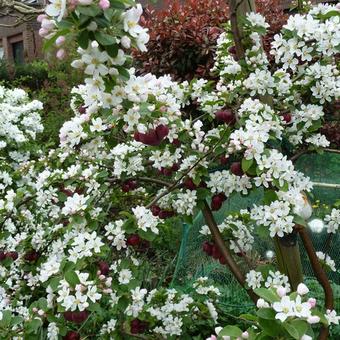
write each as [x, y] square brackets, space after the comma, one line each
[18, 52]
[2, 52]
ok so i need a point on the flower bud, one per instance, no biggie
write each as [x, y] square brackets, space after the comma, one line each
[312, 302]
[104, 4]
[245, 335]
[60, 40]
[61, 54]
[47, 24]
[302, 289]
[281, 291]
[261, 303]
[85, 2]
[313, 319]
[125, 41]
[41, 17]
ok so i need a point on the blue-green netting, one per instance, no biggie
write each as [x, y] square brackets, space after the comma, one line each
[324, 170]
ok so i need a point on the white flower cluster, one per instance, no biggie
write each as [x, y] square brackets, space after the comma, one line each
[326, 259]
[260, 124]
[276, 216]
[145, 219]
[333, 221]
[83, 292]
[19, 117]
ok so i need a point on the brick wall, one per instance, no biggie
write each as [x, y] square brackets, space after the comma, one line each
[27, 33]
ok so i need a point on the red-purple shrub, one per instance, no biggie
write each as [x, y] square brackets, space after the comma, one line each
[183, 36]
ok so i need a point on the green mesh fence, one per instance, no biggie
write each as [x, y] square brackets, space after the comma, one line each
[324, 169]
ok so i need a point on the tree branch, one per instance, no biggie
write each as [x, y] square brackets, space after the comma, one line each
[319, 274]
[232, 265]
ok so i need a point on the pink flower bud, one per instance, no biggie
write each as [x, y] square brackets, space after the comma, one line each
[302, 289]
[245, 335]
[102, 277]
[61, 54]
[60, 40]
[41, 17]
[85, 2]
[43, 32]
[47, 24]
[281, 291]
[312, 302]
[313, 319]
[104, 4]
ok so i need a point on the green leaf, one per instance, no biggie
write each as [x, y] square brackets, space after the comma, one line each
[117, 4]
[266, 313]
[230, 331]
[249, 317]
[90, 11]
[123, 72]
[105, 39]
[246, 164]
[271, 327]
[34, 325]
[291, 330]
[112, 50]
[301, 326]
[299, 220]
[72, 278]
[83, 39]
[269, 197]
[267, 294]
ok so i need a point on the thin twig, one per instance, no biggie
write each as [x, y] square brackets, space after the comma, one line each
[319, 274]
[232, 265]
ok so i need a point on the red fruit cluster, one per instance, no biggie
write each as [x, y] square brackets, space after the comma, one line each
[82, 109]
[76, 317]
[217, 201]
[152, 137]
[104, 268]
[31, 256]
[163, 214]
[188, 183]
[133, 240]
[211, 249]
[129, 185]
[226, 116]
[72, 335]
[236, 169]
[138, 243]
[10, 254]
[138, 326]
[168, 171]
[287, 117]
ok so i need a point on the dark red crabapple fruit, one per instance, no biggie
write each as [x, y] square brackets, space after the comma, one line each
[236, 169]
[176, 142]
[232, 49]
[72, 335]
[223, 160]
[216, 254]
[133, 240]
[222, 260]
[82, 109]
[287, 117]
[12, 254]
[207, 247]
[103, 267]
[189, 184]
[2, 255]
[155, 209]
[31, 256]
[217, 201]
[162, 131]
[80, 317]
[226, 116]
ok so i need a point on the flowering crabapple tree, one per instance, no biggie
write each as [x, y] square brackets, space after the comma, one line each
[79, 222]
